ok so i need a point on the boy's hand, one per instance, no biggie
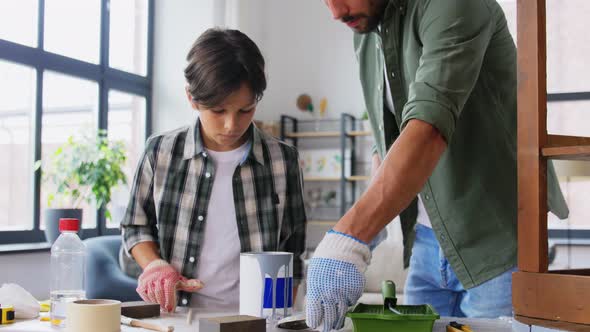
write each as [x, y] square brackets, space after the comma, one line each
[159, 282]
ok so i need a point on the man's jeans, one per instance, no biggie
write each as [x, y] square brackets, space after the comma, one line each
[432, 280]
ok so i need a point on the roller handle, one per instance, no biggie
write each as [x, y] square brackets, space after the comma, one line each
[388, 292]
[145, 325]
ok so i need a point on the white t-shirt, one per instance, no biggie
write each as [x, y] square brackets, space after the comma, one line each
[422, 215]
[219, 262]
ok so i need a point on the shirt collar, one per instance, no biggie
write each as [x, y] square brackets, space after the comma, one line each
[193, 146]
[392, 7]
[401, 5]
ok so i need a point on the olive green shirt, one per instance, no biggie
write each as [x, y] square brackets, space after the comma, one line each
[452, 64]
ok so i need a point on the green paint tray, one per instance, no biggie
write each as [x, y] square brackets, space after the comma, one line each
[390, 317]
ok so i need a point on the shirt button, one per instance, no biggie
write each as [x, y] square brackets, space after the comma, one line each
[377, 46]
[426, 197]
[392, 75]
[184, 301]
[386, 30]
[207, 175]
[192, 259]
[381, 127]
[379, 87]
[200, 218]
[442, 237]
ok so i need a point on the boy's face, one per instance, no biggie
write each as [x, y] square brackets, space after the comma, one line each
[362, 16]
[223, 127]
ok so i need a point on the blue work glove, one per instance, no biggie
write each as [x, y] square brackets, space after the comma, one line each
[335, 279]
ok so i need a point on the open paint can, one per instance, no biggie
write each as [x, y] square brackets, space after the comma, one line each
[266, 284]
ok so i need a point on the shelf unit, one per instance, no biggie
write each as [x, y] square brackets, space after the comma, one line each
[347, 134]
[541, 297]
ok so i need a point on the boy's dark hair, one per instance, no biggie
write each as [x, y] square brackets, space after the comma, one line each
[219, 62]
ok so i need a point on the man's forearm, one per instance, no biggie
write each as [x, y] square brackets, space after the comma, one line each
[145, 253]
[407, 166]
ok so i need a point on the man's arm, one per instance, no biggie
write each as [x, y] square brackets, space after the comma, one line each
[406, 167]
[375, 163]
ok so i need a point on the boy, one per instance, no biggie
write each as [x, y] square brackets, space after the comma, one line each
[204, 193]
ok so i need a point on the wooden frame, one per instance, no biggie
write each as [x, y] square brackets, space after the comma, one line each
[540, 297]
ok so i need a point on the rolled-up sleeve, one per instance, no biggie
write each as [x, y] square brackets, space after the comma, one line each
[293, 236]
[455, 36]
[139, 222]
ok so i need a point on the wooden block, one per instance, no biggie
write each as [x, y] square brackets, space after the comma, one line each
[558, 296]
[140, 309]
[240, 323]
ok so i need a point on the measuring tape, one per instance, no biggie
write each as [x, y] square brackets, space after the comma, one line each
[6, 314]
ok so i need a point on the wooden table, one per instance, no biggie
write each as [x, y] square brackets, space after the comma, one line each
[178, 320]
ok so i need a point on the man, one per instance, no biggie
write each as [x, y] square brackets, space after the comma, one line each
[439, 82]
[206, 192]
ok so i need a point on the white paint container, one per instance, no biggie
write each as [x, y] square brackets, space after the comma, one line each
[266, 284]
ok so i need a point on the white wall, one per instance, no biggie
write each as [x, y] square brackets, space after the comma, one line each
[29, 270]
[305, 50]
[177, 24]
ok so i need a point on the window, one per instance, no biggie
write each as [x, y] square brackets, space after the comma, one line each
[75, 36]
[128, 36]
[567, 44]
[16, 171]
[67, 75]
[568, 108]
[70, 108]
[18, 21]
[126, 123]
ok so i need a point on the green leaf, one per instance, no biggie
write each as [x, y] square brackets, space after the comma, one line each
[86, 168]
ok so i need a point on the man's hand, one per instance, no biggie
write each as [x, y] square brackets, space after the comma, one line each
[335, 279]
[159, 282]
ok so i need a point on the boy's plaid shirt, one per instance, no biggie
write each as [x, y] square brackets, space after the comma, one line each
[171, 191]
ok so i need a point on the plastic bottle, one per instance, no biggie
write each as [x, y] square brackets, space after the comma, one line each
[68, 255]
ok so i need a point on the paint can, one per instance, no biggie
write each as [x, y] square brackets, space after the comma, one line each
[266, 284]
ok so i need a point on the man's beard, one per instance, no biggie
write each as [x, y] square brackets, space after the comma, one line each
[371, 21]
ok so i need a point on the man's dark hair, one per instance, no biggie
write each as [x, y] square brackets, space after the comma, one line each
[219, 62]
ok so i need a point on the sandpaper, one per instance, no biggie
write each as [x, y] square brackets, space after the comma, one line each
[240, 323]
[140, 309]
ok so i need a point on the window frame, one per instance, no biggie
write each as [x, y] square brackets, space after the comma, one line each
[107, 79]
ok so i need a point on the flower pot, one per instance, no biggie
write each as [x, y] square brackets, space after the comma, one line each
[52, 217]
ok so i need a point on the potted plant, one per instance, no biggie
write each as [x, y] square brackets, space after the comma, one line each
[365, 121]
[84, 170]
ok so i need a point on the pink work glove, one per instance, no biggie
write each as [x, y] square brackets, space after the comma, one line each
[159, 282]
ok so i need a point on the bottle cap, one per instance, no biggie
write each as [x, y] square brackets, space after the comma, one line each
[69, 224]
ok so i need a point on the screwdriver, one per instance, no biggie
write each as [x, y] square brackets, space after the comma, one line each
[457, 327]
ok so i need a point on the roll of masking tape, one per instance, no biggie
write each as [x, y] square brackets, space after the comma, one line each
[93, 316]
